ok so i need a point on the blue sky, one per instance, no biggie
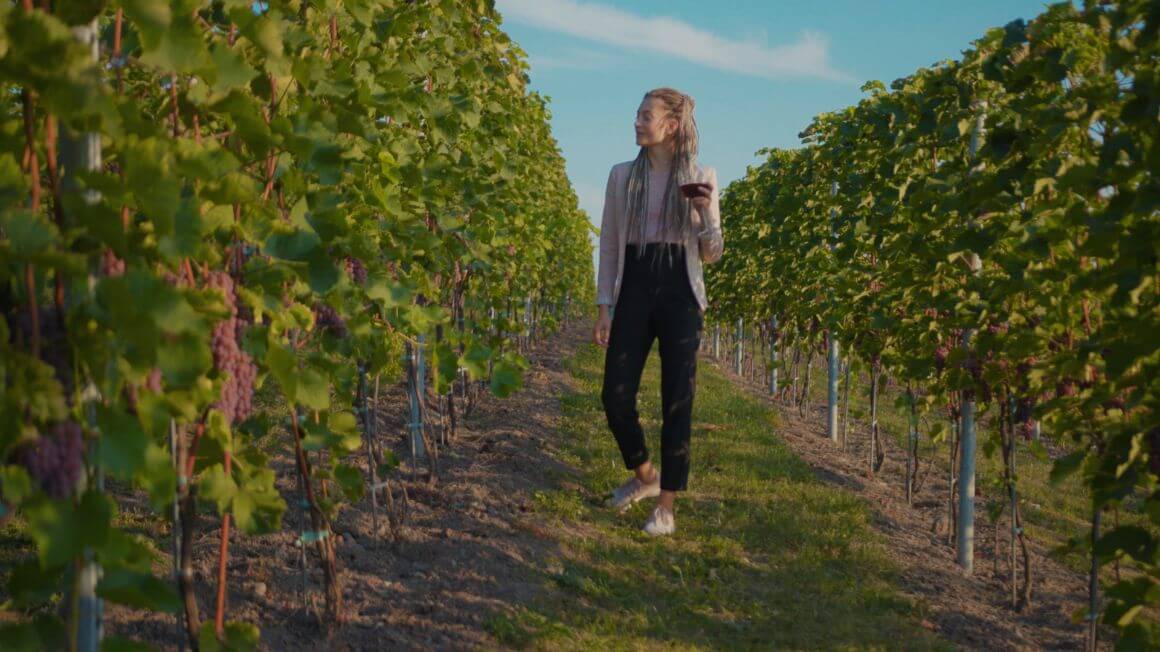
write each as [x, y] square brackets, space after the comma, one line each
[759, 70]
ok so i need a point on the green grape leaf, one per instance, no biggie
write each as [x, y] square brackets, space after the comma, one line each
[170, 39]
[351, 481]
[15, 483]
[43, 632]
[237, 637]
[322, 273]
[505, 378]
[217, 487]
[282, 364]
[320, 437]
[158, 477]
[258, 506]
[183, 359]
[230, 69]
[313, 389]
[123, 443]
[61, 530]
[29, 584]
[474, 360]
[1131, 540]
[445, 365]
[26, 234]
[390, 293]
[298, 245]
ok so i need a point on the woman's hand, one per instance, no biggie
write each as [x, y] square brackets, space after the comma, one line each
[699, 195]
[602, 328]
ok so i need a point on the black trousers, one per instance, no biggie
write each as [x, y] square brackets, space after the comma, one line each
[655, 302]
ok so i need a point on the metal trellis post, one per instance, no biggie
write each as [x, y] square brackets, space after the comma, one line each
[832, 387]
[965, 534]
[773, 358]
[82, 152]
[834, 370]
[740, 351]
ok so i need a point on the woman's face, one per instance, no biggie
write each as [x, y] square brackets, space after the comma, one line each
[652, 125]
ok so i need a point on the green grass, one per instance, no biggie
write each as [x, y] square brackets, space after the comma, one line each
[765, 556]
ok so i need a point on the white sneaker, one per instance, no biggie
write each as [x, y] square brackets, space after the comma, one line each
[633, 490]
[660, 522]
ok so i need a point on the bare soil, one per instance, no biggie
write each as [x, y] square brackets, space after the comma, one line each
[467, 549]
[471, 546]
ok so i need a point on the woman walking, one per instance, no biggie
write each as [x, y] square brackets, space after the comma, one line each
[661, 222]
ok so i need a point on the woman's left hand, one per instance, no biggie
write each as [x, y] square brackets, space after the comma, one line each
[700, 203]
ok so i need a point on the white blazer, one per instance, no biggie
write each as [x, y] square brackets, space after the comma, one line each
[700, 250]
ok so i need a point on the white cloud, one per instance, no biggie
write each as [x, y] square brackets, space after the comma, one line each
[808, 57]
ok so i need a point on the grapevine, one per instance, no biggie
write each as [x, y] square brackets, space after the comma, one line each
[235, 365]
[991, 245]
[284, 192]
[55, 461]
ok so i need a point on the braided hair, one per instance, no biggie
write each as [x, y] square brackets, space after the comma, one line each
[676, 211]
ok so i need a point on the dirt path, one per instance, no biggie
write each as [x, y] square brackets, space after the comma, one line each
[973, 612]
[464, 553]
[471, 546]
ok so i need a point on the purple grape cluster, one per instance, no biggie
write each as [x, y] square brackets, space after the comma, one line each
[940, 357]
[1066, 388]
[356, 270]
[55, 462]
[111, 265]
[153, 380]
[1154, 450]
[1024, 416]
[1114, 403]
[1025, 367]
[327, 318]
[232, 363]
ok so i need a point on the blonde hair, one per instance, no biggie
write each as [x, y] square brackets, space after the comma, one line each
[676, 212]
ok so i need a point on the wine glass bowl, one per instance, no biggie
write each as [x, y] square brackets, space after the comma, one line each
[696, 189]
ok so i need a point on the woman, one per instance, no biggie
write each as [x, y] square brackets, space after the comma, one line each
[661, 222]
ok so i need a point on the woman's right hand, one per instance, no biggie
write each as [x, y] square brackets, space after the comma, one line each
[602, 327]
